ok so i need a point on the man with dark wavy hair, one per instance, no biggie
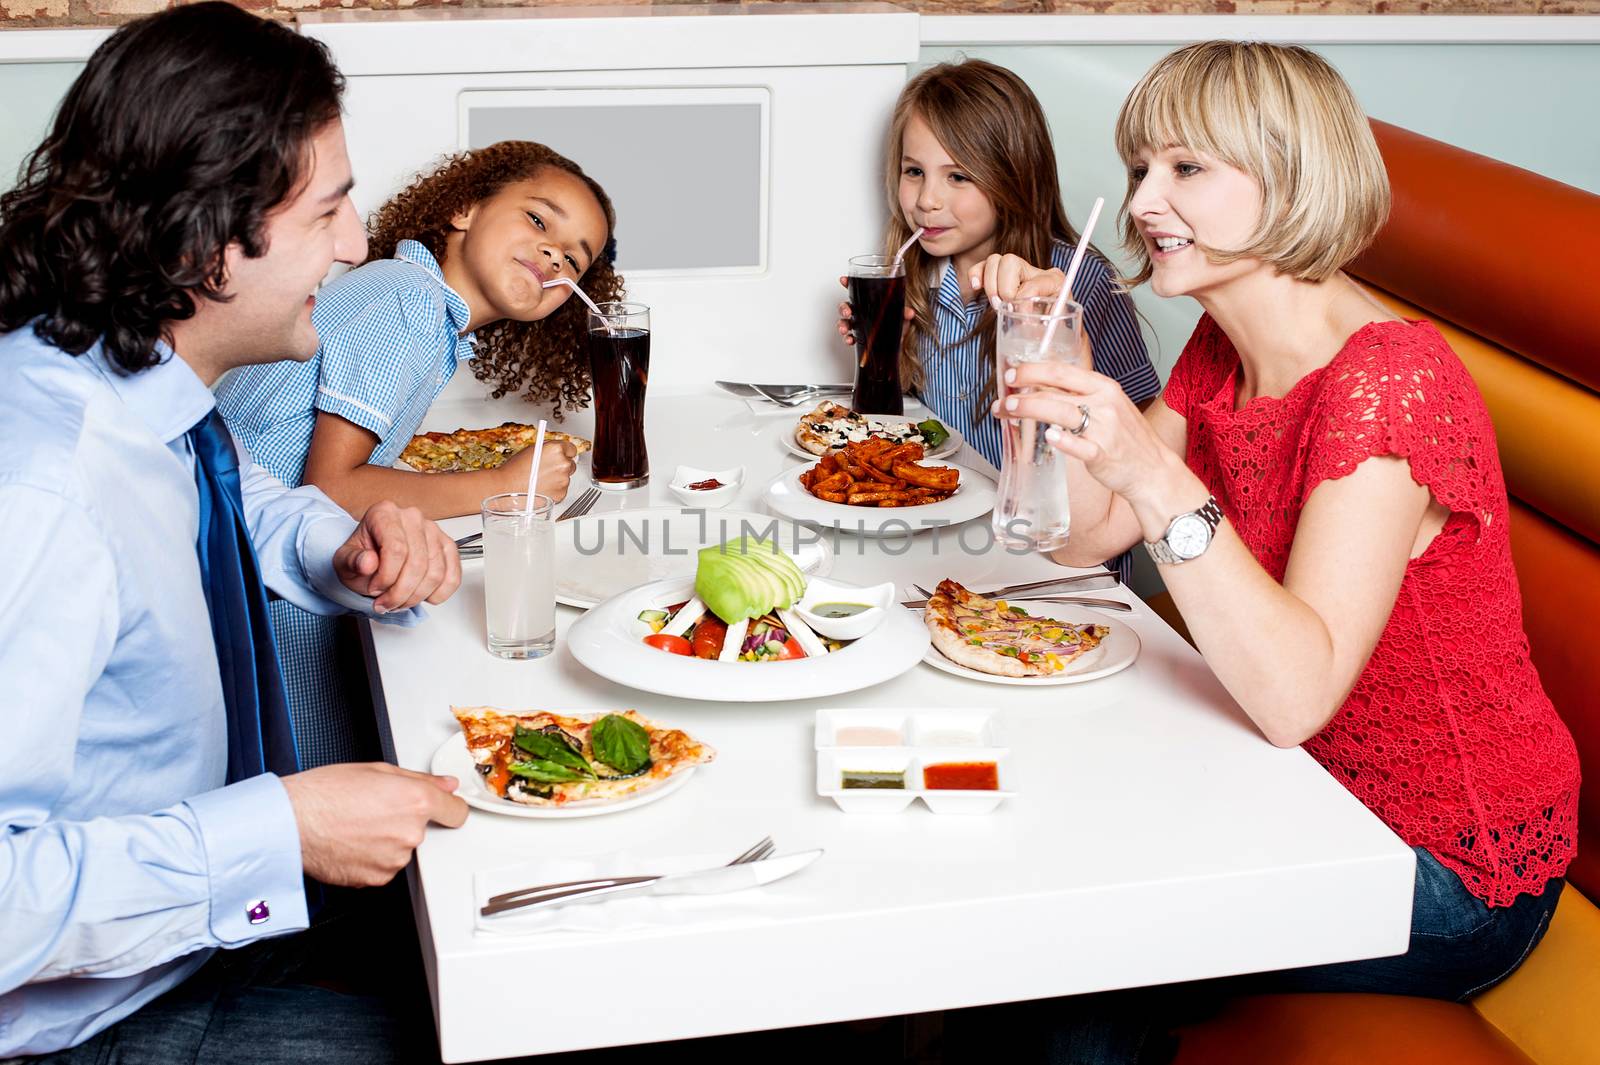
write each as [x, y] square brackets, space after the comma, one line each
[176, 223]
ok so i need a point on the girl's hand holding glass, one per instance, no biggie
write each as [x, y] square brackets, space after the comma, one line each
[844, 316]
[1010, 277]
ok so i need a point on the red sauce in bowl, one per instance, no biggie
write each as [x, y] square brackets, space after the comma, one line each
[704, 486]
[961, 776]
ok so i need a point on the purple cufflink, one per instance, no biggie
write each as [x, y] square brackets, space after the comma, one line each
[257, 912]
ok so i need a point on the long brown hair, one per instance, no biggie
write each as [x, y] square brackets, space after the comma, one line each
[993, 127]
[545, 360]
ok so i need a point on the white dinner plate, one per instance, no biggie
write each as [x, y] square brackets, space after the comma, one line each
[602, 555]
[974, 498]
[609, 641]
[1117, 652]
[951, 445]
[453, 759]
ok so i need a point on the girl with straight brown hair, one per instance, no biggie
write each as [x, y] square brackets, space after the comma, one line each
[971, 162]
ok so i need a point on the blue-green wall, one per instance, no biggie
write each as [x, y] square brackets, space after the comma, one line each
[31, 92]
[1531, 105]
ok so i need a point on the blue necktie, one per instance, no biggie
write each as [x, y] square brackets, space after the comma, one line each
[260, 730]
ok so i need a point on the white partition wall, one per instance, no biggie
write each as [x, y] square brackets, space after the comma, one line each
[739, 228]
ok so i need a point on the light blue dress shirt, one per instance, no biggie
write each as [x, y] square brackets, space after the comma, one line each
[391, 335]
[124, 860]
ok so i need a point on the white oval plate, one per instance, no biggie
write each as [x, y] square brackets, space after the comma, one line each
[1118, 651]
[973, 499]
[608, 641]
[453, 759]
[954, 443]
[590, 567]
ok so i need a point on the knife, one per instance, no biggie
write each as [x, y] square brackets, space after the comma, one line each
[723, 878]
[1099, 604]
[1081, 582]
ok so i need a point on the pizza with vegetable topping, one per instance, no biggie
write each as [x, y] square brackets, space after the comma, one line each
[542, 759]
[478, 449]
[992, 636]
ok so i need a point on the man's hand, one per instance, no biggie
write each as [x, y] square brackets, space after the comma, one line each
[399, 558]
[360, 822]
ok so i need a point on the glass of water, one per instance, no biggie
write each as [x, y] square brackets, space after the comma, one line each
[1031, 510]
[519, 581]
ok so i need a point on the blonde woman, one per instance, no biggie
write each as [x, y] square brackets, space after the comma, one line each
[1322, 476]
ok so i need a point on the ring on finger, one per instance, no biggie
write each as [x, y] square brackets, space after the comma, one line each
[1081, 426]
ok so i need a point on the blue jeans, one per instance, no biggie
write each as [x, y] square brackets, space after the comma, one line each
[347, 991]
[1459, 948]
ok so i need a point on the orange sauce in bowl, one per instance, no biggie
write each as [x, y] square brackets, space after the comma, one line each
[961, 776]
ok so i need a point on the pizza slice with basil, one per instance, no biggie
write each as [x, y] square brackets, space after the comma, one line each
[542, 759]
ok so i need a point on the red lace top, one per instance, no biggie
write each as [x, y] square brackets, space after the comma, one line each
[1447, 735]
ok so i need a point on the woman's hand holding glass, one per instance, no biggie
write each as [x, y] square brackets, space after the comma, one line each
[1092, 420]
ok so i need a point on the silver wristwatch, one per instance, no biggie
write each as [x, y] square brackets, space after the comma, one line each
[1188, 536]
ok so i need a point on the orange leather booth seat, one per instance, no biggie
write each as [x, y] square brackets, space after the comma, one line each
[1522, 315]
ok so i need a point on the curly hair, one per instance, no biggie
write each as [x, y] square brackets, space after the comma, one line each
[546, 360]
[184, 131]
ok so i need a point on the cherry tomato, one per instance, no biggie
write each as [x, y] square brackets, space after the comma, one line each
[671, 644]
[791, 649]
[708, 636]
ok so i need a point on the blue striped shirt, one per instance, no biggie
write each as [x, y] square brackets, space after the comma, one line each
[391, 337]
[955, 368]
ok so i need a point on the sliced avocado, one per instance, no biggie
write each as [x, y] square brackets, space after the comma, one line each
[746, 578]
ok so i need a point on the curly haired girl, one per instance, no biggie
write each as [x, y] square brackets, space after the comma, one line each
[455, 270]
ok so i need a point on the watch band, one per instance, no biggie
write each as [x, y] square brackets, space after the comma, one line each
[1162, 552]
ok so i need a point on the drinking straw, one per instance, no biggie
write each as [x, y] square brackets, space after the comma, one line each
[584, 296]
[533, 470]
[1072, 274]
[901, 254]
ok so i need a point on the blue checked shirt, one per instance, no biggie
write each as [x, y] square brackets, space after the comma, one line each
[955, 369]
[124, 858]
[391, 337]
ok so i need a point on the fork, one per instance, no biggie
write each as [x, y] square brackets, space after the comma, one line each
[582, 505]
[792, 399]
[578, 887]
[469, 546]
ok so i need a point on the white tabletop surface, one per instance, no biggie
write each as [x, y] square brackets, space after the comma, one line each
[1156, 835]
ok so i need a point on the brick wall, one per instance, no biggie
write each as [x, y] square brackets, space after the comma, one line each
[20, 13]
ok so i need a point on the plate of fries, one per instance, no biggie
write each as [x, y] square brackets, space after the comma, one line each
[877, 488]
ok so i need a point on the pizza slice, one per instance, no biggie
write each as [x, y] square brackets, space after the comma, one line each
[543, 759]
[830, 427]
[992, 636]
[478, 449]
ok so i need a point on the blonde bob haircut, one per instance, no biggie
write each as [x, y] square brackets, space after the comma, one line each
[1283, 116]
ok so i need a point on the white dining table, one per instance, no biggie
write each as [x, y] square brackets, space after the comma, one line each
[1155, 836]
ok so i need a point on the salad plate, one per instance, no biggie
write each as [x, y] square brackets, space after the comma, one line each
[609, 641]
[602, 555]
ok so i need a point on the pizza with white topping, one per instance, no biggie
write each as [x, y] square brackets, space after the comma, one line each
[993, 636]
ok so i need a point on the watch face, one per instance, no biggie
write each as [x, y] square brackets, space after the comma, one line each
[1189, 536]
